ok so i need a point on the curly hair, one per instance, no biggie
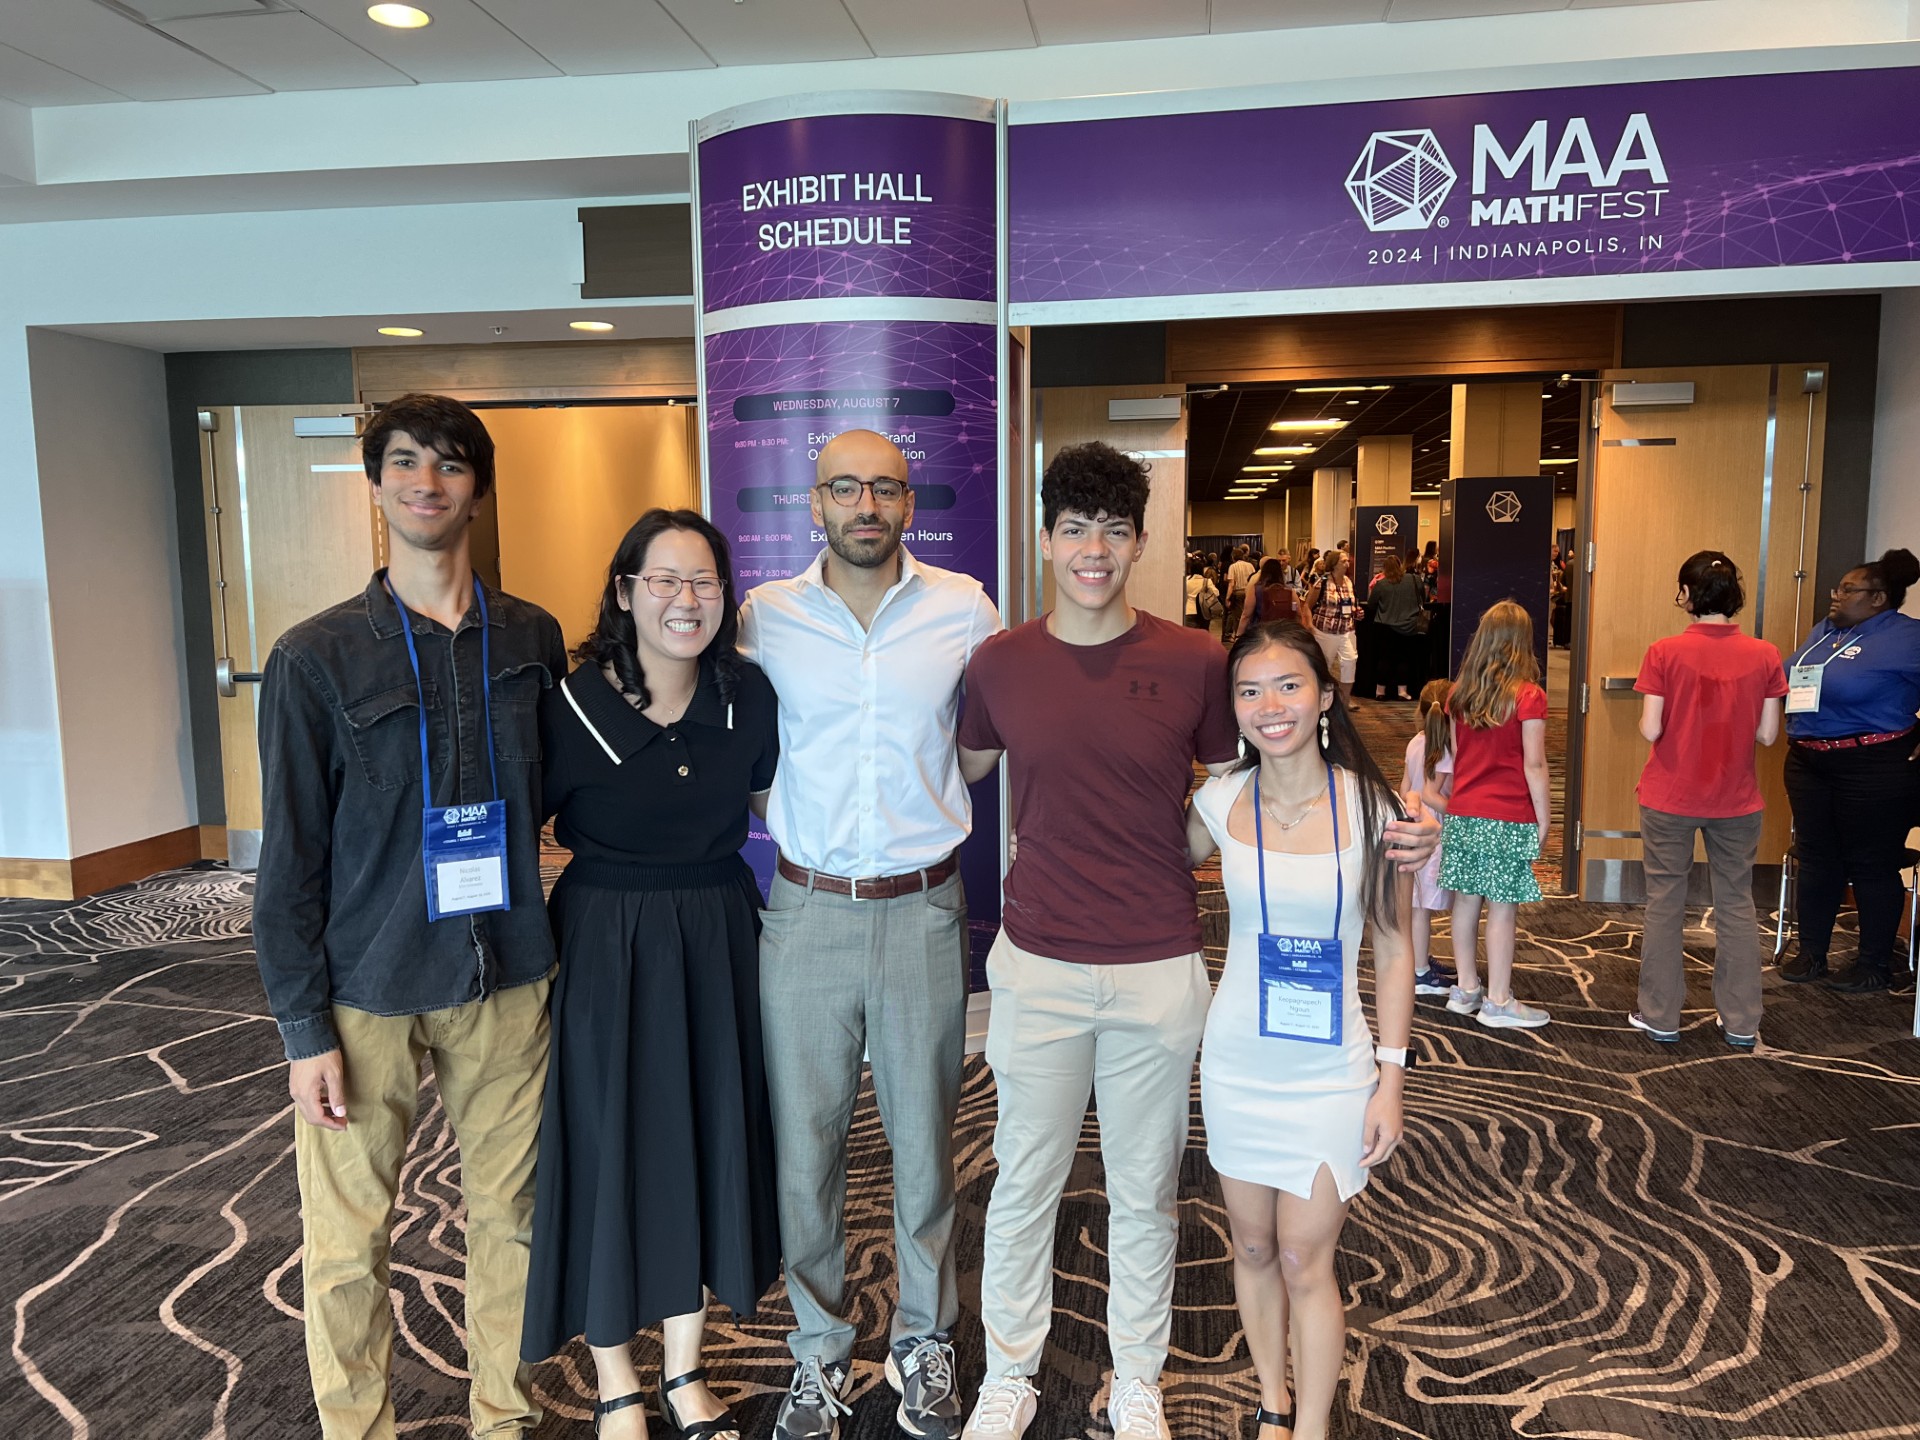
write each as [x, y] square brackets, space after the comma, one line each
[1094, 479]
[612, 639]
[1892, 574]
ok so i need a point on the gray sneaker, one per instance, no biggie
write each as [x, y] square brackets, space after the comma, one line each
[1515, 1014]
[920, 1369]
[1463, 1002]
[816, 1399]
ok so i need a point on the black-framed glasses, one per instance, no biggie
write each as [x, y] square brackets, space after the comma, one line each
[846, 491]
[1856, 590]
[668, 587]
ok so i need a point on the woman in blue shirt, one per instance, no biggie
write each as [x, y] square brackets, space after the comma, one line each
[1851, 773]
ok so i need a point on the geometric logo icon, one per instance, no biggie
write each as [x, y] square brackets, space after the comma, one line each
[1503, 507]
[1400, 180]
[1387, 525]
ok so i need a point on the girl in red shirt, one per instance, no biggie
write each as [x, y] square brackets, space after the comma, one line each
[1497, 819]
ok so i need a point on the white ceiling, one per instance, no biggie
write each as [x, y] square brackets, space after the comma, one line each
[84, 52]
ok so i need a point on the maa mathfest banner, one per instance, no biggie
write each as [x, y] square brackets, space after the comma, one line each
[1706, 174]
[849, 279]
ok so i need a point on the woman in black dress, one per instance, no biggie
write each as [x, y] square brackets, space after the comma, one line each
[655, 1188]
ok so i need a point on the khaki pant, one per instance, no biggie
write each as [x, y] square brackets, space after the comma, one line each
[1666, 845]
[490, 1061]
[1129, 1034]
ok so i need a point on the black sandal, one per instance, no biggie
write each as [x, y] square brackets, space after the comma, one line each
[619, 1402]
[725, 1423]
[1263, 1417]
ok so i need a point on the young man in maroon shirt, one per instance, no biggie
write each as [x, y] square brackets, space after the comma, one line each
[1102, 710]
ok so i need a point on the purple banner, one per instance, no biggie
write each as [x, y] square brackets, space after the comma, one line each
[776, 395]
[1722, 173]
[837, 206]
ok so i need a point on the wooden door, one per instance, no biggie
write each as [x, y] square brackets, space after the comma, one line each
[1737, 470]
[291, 530]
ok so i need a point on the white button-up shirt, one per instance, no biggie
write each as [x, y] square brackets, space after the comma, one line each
[869, 780]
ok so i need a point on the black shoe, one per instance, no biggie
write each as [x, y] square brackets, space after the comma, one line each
[1803, 968]
[920, 1369]
[619, 1402]
[725, 1423]
[816, 1399]
[1857, 979]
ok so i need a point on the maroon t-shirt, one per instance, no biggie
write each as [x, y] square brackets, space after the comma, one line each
[1100, 743]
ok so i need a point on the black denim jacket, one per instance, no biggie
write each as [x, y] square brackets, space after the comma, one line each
[340, 902]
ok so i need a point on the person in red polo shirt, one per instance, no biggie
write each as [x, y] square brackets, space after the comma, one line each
[1708, 695]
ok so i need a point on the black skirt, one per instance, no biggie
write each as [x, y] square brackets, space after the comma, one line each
[655, 1173]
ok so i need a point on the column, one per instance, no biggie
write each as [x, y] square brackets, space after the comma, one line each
[1332, 507]
[1383, 470]
[1496, 429]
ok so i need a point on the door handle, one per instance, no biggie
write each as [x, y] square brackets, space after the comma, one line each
[1616, 683]
[231, 679]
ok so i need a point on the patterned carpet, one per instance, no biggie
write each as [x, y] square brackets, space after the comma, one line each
[1584, 1234]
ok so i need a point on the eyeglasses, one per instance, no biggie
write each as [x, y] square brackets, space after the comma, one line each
[846, 492]
[1856, 590]
[668, 587]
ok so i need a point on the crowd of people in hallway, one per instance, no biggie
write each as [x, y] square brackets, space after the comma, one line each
[652, 1077]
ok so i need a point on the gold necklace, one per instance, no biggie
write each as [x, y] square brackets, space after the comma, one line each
[1298, 820]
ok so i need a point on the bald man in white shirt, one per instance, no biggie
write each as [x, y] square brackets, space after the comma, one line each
[864, 945]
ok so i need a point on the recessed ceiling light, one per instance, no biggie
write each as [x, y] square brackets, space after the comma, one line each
[596, 326]
[1336, 389]
[402, 332]
[398, 17]
[1286, 449]
[1353, 402]
[1308, 425]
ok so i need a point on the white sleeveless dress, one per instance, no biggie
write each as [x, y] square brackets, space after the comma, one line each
[1276, 1109]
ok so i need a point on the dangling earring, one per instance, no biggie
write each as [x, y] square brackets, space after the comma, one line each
[1325, 737]
[1243, 744]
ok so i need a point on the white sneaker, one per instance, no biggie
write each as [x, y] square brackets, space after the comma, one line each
[1134, 1410]
[1515, 1014]
[1464, 1002]
[1004, 1409]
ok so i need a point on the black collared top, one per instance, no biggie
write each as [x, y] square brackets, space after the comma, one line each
[340, 902]
[631, 792]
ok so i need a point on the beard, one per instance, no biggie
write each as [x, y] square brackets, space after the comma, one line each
[867, 554]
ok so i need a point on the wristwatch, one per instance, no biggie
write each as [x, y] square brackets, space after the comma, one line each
[1395, 1055]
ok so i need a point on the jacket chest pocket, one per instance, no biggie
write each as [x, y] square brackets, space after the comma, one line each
[386, 734]
[516, 711]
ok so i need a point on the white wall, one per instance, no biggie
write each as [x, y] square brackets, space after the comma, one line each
[33, 812]
[99, 415]
[1893, 511]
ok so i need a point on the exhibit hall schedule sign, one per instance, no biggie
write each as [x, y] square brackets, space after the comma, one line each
[1705, 174]
[849, 279]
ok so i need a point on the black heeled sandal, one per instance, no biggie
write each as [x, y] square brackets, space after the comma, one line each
[725, 1423]
[1263, 1417]
[620, 1402]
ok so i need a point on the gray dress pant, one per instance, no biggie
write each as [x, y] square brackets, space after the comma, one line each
[1666, 843]
[839, 977]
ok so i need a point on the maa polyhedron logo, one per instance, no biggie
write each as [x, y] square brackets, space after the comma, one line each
[1503, 507]
[1400, 180]
[1387, 525]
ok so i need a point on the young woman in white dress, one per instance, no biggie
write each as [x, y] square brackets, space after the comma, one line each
[1299, 1103]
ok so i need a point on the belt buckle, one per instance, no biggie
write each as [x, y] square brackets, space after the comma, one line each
[853, 888]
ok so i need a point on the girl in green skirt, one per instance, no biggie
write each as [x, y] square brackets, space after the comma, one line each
[1497, 819]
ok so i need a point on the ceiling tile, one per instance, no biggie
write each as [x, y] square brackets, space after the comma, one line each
[1239, 15]
[155, 11]
[941, 27]
[1461, 9]
[1612, 4]
[768, 32]
[287, 51]
[594, 37]
[29, 81]
[464, 42]
[1077, 22]
[107, 48]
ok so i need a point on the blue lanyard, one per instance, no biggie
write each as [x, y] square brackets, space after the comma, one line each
[1260, 849]
[486, 691]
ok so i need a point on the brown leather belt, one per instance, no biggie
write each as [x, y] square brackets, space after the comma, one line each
[870, 887]
[1853, 742]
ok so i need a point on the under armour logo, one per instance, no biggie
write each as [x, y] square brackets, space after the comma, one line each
[1150, 688]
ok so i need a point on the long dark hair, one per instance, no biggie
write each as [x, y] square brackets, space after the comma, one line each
[1378, 802]
[611, 641]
